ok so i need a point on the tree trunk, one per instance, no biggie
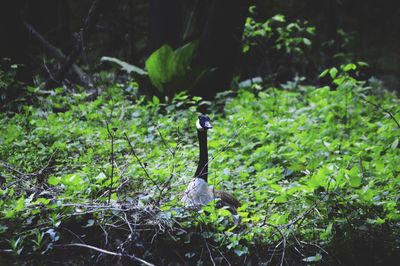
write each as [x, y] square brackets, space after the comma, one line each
[220, 44]
[165, 23]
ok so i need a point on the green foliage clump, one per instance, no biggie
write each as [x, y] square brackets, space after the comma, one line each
[168, 71]
[316, 169]
[289, 37]
[9, 86]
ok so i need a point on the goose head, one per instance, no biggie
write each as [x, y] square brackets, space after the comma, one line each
[203, 123]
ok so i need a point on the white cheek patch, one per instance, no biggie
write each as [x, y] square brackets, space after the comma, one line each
[198, 126]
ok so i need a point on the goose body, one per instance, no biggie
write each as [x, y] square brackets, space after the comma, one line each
[198, 192]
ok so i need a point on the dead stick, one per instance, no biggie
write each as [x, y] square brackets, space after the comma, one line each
[70, 59]
[54, 50]
[109, 252]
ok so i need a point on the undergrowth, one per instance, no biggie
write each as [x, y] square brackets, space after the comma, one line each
[98, 179]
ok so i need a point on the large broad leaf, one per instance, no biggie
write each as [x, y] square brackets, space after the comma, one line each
[124, 65]
[141, 76]
[160, 67]
[171, 70]
[168, 70]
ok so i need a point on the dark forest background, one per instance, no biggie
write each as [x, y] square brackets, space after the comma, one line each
[346, 31]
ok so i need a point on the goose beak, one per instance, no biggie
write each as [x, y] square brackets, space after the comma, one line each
[207, 125]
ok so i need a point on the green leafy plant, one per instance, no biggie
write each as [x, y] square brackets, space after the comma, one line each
[168, 70]
[316, 169]
[290, 37]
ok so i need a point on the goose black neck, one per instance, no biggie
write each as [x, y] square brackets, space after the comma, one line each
[202, 168]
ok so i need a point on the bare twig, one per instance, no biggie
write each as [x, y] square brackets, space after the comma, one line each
[172, 152]
[127, 222]
[112, 160]
[312, 244]
[209, 252]
[284, 240]
[383, 109]
[222, 254]
[109, 252]
[105, 233]
[140, 162]
[48, 70]
[189, 23]
[164, 142]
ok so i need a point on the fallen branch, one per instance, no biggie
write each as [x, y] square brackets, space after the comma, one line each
[54, 50]
[109, 252]
[70, 59]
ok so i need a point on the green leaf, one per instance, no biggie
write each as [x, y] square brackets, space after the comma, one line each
[53, 180]
[317, 257]
[90, 223]
[156, 101]
[124, 65]
[319, 179]
[240, 250]
[395, 144]
[380, 166]
[323, 74]
[355, 177]
[327, 231]
[278, 18]
[362, 64]
[306, 41]
[349, 67]
[333, 71]
[224, 212]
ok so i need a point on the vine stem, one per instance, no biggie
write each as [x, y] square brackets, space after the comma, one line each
[383, 109]
[140, 162]
[112, 161]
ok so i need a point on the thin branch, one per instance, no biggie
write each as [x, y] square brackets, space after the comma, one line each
[140, 162]
[383, 109]
[164, 142]
[48, 70]
[172, 152]
[127, 222]
[312, 244]
[209, 252]
[189, 23]
[279, 229]
[112, 160]
[109, 252]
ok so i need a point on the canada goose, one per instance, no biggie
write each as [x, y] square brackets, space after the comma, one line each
[198, 192]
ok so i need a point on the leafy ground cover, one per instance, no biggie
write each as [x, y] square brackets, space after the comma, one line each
[98, 178]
